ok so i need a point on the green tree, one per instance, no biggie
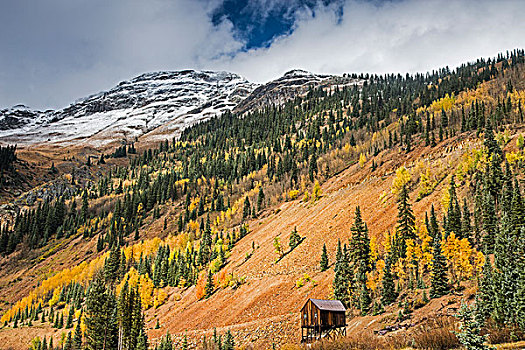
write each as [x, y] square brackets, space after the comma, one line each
[209, 287]
[469, 334]
[324, 259]
[101, 329]
[77, 338]
[340, 283]
[229, 343]
[359, 245]
[439, 279]
[405, 224]
[260, 199]
[295, 239]
[388, 290]
[246, 211]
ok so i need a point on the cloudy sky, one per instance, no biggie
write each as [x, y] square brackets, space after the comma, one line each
[55, 51]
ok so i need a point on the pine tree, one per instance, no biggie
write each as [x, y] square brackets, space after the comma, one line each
[405, 224]
[77, 337]
[295, 239]
[519, 297]
[439, 279]
[229, 343]
[364, 299]
[85, 206]
[101, 331]
[68, 343]
[388, 292]
[69, 322]
[360, 244]
[340, 283]
[209, 288]
[454, 212]
[469, 334]
[485, 296]
[246, 210]
[260, 199]
[324, 259]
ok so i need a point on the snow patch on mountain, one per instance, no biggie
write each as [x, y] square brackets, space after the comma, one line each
[129, 110]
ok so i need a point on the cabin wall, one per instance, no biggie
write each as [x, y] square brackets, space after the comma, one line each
[312, 316]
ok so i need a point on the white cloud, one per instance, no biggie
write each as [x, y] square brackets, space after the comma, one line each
[400, 36]
[56, 51]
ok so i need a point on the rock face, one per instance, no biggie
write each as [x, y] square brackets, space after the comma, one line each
[130, 109]
[293, 83]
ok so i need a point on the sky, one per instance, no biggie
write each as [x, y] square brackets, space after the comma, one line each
[54, 52]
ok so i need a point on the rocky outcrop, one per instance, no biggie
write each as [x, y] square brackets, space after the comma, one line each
[292, 84]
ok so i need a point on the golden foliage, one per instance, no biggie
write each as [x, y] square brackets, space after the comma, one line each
[463, 259]
[402, 178]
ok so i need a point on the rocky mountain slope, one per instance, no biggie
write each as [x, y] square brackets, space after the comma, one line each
[291, 84]
[157, 105]
[129, 110]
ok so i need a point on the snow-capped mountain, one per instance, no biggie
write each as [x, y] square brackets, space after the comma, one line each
[154, 106]
[130, 109]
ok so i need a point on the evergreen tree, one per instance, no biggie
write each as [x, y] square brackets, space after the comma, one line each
[405, 224]
[101, 331]
[68, 343]
[439, 279]
[469, 334]
[485, 296]
[324, 259]
[388, 290]
[340, 283]
[209, 287]
[260, 199]
[360, 245]
[295, 239]
[229, 343]
[77, 338]
[246, 210]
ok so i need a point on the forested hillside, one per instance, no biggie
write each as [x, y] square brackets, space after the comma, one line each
[244, 202]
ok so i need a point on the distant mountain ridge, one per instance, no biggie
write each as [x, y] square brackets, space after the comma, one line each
[157, 104]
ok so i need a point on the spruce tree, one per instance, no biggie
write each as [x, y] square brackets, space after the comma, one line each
[260, 199]
[68, 343]
[359, 245]
[209, 287]
[324, 259]
[439, 279]
[229, 343]
[485, 295]
[469, 334]
[405, 224]
[340, 283]
[453, 212]
[388, 288]
[246, 211]
[77, 337]
[101, 331]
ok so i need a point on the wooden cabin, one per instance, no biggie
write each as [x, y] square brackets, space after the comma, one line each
[322, 319]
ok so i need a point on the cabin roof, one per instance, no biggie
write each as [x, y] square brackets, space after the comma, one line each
[329, 305]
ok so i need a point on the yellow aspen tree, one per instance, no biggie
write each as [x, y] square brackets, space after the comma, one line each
[362, 160]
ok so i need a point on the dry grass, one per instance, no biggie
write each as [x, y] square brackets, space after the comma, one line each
[434, 335]
[498, 335]
[437, 334]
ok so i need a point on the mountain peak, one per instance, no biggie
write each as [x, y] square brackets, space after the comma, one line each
[297, 72]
